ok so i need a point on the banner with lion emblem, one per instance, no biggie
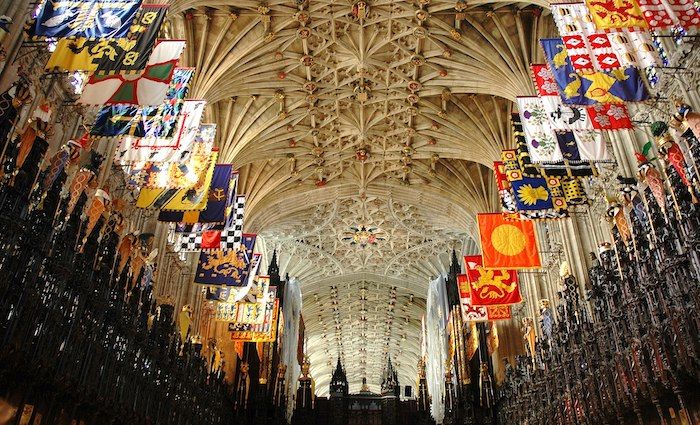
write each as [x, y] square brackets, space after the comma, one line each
[491, 287]
[226, 267]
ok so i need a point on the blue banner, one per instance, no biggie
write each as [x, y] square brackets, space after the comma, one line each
[532, 194]
[230, 267]
[87, 18]
[114, 120]
[568, 146]
[588, 88]
[568, 81]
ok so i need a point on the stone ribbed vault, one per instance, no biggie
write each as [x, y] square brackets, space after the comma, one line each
[345, 120]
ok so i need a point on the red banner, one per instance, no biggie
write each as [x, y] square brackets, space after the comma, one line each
[609, 116]
[491, 287]
[476, 313]
[499, 170]
[544, 80]
[499, 312]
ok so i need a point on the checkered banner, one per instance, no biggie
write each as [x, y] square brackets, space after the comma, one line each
[234, 222]
[228, 238]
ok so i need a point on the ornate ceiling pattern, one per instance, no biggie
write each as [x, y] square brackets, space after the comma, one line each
[365, 321]
[361, 260]
[365, 133]
[369, 236]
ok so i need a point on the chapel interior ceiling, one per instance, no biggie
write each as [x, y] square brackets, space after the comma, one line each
[365, 138]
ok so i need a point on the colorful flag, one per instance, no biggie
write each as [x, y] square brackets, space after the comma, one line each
[163, 120]
[230, 267]
[87, 18]
[182, 174]
[618, 86]
[160, 121]
[565, 117]
[588, 47]
[150, 88]
[505, 193]
[162, 149]
[228, 295]
[114, 120]
[185, 199]
[547, 127]
[634, 48]
[507, 244]
[251, 311]
[176, 175]
[597, 120]
[590, 87]
[549, 136]
[531, 193]
[229, 237]
[566, 127]
[499, 171]
[220, 294]
[664, 14]
[469, 312]
[533, 197]
[582, 146]
[573, 190]
[567, 145]
[491, 287]
[544, 80]
[499, 312]
[544, 191]
[609, 116]
[524, 162]
[569, 83]
[266, 332]
[541, 139]
[610, 14]
[111, 55]
[239, 292]
[601, 50]
[223, 182]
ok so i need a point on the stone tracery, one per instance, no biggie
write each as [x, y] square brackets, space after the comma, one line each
[387, 107]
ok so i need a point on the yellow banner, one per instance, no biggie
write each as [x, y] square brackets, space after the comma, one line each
[187, 199]
[257, 336]
[612, 14]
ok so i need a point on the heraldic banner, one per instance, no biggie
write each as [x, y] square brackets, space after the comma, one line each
[472, 313]
[491, 287]
[226, 267]
[87, 18]
[507, 244]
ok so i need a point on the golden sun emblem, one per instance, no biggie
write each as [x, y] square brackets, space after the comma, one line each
[508, 239]
[531, 195]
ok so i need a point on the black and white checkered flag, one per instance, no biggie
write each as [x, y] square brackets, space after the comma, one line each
[230, 237]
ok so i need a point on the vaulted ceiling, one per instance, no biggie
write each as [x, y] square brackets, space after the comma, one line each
[364, 136]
